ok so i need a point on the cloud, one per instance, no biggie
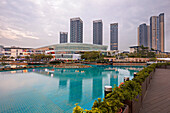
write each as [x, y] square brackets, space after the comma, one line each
[16, 35]
[42, 20]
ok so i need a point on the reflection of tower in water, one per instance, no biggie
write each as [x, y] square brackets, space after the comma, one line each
[97, 87]
[75, 93]
[62, 83]
[131, 72]
[113, 80]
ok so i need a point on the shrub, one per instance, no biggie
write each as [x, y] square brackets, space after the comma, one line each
[131, 89]
[55, 62]
[77, 109]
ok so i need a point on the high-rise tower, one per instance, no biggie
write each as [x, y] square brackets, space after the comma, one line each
[76, 30]
[97, 32]
[154, 32]
[114, 36]
[157, 32]
[161, 32]
[63, 37]
[143, 35]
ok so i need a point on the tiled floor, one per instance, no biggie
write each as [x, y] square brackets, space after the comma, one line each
[157, 99]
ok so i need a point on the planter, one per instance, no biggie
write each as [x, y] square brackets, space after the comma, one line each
[144, 87]
[147, 82]
[151, 74]
[120, 110]
[125, 109]
[134, 106]
[162, 66]
[168, 66]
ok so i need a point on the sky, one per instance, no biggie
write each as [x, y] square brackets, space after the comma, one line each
[37, 23]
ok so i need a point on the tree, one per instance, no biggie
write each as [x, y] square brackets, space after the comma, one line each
[92, 56]
[109, 54]
[48, 57]
[41, 57]
[18, 57]
[4, 57]
[151, 55]
[152, 59]
[27, 58]
[12, 57]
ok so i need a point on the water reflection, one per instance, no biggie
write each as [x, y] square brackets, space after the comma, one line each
[64, 87]
[75, 91]
[62, 83]
[113, 80]
[97, 88]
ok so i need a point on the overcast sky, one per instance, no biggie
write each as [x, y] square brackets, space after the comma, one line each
[36, 23]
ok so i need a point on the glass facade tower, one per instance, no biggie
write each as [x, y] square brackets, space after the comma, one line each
[63, 37]
[157, 32]
[143, 35]
[161, 32]
[114, 36]
[76, 30]
[97, 32]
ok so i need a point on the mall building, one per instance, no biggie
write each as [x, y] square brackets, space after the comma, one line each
[62, 51]
[72, 51]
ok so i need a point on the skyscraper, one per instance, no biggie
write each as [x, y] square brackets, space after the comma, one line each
[63, 37]
[154, 32]
[143, 35]
[157, 32]
[161, 32]
[97, 32]
[76, 30]
[148, 36]
[114, 36]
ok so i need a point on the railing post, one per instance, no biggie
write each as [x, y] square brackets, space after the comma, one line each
[126, 79]
[107, 89]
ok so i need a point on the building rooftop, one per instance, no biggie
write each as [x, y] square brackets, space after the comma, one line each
[77, 47]
[74, 19]
[134, 46]
[13, 47]
[114, 24]
[63, 32]
[95, 21]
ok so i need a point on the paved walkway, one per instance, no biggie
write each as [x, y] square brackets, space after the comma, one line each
[157, 99]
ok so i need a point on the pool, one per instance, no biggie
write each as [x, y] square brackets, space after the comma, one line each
[57, 90]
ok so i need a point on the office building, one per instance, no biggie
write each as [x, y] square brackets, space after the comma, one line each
[143, 35]
[154, 32]
[161, 32]
[76, 30]
[63, 37]
[114, 36]
[148, 35]
[97, 32]
[157, 32]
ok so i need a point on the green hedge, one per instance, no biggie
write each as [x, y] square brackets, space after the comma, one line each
[126, 91]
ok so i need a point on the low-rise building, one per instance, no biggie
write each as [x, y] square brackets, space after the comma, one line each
[134, 49]
[1, 50]
[14, 51]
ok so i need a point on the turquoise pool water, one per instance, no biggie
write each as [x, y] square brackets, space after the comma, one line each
[57, 90]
